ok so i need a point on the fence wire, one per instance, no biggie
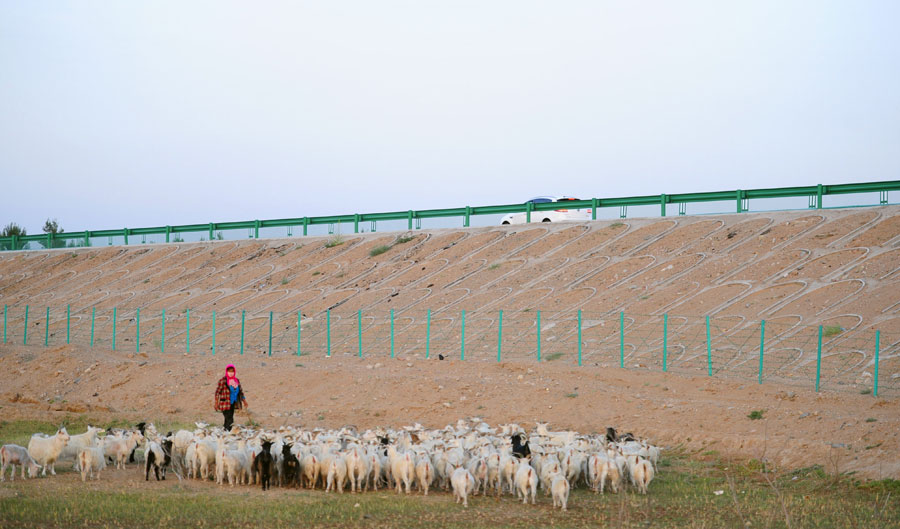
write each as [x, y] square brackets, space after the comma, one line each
[778, 351]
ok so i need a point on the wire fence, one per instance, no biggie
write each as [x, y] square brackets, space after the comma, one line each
[821, 357]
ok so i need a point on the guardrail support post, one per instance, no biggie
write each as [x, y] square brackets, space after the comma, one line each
[243, 324]
[328, 332]
[356, 223]
[115, 317]
[47, 328]
[270, 333]
[256, 229]
[738, 197]
[594, 204]
[665, 342]
[875, 379]
[467, 217]
[528, 207]
[499, 334]
[392, 333]
[409, 218]
[708, 349]
[214, 333]
[168, 231]
[819, 192]
[819, 360]
[359, 329]
[299, 316]
[5, 308]
[662, 204]
[305, 225]
[427, 333]
[538, 336]
[137, 331]
[579, 337]
[462, 337]
[622, 339]
[68, 324]
[762, 341]
[93, 317]
[187, 334]
[162, 338]
[25, 337]
[125, 235]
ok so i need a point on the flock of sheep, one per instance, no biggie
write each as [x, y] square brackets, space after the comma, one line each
[468, 458]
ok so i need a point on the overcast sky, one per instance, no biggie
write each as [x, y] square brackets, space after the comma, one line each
[147, 113]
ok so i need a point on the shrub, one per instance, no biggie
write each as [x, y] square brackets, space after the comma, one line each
[831, 330]
[755, 415]
[404, 239]
[337, 240]
[378, 250]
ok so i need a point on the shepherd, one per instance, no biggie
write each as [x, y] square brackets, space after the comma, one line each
[229, 396]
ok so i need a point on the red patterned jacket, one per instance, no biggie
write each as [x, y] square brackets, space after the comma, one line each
[222, 400]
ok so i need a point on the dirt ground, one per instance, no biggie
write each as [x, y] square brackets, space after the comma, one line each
[840, 431]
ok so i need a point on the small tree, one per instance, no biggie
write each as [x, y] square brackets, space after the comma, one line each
[8, 231]
[52, 226]
[14, 229]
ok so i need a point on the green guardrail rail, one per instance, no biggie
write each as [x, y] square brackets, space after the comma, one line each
[740, 197]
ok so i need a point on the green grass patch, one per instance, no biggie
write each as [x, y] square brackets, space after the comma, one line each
[571, 395]
[494, 266]
[553, 356]
[378, 250]
[756, 415]
[404, 239]
[831, 330]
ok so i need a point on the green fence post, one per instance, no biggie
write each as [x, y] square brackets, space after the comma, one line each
[819, 359]
[5, 308]
[243, 321]
[762, 339]
[115, 317]
[68, 324]
[579, 337]
[93, 317]
[125, 235]
[392, 333]
[328, 332]
[462, 337]
[214, 333]
[528, 207]
[662, 205]
[137, 331]
[877, 347]
[187, 337]
[25, 337]
[409, 217]
[622, 339]
[499, 335]
[708, 349]
[47, 328]
[359, 330]
[665, 342]
[256, 229]
[539, 336]
[299, 315]
[594, 204]
[427, 333]
[270, 333]
[162, 338]
[468, 215]
[819, 192]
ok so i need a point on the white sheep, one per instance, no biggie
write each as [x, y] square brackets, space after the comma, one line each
[463, 483]
[479, 469]
[424, 473]
[91, 459]
[12, 455]
[357, 468]
[336, 473]
[402, 468]
[79, 441]
[119, 448]
[526, 481]
[309, 470]
[642, 474]
[45, 449]
[560, 487]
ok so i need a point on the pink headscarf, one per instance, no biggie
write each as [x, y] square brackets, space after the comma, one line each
[232, 380]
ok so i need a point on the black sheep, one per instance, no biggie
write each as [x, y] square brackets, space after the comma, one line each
[611, 435]
[140, 426]
[291, 465]
[520, 449]
[262, 465]
[153, 458]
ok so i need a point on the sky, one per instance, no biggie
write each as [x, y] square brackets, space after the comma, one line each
[142, 113]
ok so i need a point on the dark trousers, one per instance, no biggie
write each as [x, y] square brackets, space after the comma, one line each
[229, 417]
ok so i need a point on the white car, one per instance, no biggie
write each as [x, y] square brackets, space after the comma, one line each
[556, 215]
